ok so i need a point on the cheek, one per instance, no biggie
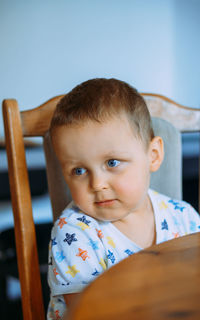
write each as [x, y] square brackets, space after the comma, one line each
[78, 194]
[132, 183]
[124, 185]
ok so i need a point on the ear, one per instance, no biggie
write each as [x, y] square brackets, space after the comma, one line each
[156, 153]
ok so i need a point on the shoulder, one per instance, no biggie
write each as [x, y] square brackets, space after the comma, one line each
[73, 219]
[76, 252]
[179, 212]
[174, 205]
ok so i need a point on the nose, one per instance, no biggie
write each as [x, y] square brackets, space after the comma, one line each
[98, 181]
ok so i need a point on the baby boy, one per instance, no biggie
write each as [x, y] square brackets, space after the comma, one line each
[102, 135]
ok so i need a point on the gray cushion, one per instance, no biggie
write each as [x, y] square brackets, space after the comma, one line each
[58, 190]
[167, 180]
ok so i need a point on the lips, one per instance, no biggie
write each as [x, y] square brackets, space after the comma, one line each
[105, 203]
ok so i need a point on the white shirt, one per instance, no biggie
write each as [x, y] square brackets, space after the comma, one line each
[82, 247]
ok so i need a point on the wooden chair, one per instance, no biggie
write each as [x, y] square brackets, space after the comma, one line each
[35, 122]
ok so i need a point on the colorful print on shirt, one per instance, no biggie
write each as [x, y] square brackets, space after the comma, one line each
[81, 248]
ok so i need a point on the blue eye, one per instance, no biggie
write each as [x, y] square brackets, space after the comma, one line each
[113, 163]
[79, 171]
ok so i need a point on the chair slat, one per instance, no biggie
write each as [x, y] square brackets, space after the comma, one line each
[25, 237]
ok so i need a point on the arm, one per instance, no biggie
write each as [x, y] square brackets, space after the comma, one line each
[69, 298]
[75, 258]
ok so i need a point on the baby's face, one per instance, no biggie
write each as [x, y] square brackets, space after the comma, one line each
[105, 166]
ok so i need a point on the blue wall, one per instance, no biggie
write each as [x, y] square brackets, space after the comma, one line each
[49, 46]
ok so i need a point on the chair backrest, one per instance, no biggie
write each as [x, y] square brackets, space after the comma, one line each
[35, 122]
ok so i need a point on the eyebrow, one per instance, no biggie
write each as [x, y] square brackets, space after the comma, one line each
[71, 162]
[113, 154]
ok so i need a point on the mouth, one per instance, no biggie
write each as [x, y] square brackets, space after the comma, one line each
[105, 203]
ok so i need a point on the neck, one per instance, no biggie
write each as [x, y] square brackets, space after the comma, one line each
[139, 226]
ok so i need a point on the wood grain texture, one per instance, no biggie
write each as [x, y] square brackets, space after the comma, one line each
[161, 282]
[185, 119]
[25, 238]
[36, 122]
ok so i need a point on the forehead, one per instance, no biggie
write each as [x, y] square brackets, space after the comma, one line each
[94, 138]
[110, 128]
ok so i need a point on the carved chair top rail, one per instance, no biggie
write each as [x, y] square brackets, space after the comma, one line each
[184, 118]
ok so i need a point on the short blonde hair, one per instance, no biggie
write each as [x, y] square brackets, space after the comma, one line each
[99, 100]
